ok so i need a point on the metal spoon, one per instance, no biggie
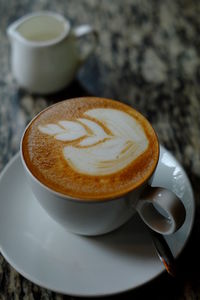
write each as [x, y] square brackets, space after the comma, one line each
[164, 253]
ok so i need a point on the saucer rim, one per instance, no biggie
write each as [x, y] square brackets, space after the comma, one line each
[117, 292]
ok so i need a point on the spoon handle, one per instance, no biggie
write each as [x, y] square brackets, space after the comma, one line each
[164, 252]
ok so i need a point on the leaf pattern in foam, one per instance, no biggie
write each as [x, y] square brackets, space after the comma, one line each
[118, 122]
[97, 133]
[99, 153]
[65, 130]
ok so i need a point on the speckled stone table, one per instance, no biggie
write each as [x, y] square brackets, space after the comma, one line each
[148, 56]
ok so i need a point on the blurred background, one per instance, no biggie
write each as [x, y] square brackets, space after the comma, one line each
[148, 56]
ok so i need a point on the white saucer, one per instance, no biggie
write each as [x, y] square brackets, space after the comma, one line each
[42, 251]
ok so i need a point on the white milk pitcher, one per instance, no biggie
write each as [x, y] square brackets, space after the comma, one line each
[45, 55]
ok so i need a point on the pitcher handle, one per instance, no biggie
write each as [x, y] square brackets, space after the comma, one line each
[161, 210]
[84, 30]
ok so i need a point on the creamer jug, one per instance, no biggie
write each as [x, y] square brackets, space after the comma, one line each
[44, 51]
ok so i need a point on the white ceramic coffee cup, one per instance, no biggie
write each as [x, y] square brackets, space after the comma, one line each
[159, 208]
[45, 55]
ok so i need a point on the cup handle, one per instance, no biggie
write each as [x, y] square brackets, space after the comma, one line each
[82, 31]
[161, 210]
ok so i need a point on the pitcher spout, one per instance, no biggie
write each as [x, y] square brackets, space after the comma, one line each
[11, 31]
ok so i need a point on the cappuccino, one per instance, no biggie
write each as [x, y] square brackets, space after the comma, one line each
[90, 148]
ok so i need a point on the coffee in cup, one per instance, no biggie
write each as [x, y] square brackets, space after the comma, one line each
[91, 148]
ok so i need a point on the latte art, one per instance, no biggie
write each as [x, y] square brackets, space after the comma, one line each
[90, 148]
[97, 152]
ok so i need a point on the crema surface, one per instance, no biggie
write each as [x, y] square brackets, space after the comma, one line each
[90, 148]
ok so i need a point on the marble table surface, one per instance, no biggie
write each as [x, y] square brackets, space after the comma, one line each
[148, 56]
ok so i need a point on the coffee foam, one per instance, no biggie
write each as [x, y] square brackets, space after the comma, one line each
[99, 153]
[96, 148]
